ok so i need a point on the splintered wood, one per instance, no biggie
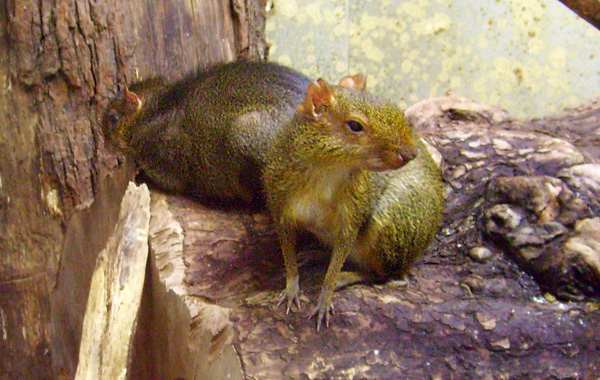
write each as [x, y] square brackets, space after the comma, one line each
[179, 335]
[116, 292]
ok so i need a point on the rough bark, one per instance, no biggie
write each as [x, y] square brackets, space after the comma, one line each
[61, 61]
[59, 64]
[521, 185]
[471, 307]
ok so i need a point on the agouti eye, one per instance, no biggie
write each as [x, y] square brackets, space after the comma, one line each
[113, 118]
[355, 126]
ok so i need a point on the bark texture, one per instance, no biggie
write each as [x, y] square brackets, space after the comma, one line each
[60, 61]
[475, 315]
[179, 335]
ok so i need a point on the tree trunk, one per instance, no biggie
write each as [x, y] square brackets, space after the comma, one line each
[60, 61]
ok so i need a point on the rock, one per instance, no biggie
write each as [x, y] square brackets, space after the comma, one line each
[583, 253]
[536, 234]
[563, 261]
[555, 154]
[480, 253]
[502, 217]
[547, 198]
[585, 180]
[541, 223]
[452, 107]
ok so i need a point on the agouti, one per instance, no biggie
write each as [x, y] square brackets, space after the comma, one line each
[349, 169]
[208, 134]
[332, 160]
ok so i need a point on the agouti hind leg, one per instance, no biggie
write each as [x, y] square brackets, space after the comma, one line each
[347, 278]
[368, 265]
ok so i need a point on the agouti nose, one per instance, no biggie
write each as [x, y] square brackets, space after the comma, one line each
[407, 153]
[398, 157]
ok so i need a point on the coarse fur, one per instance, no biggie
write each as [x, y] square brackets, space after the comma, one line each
[374, 195]
[207, 135]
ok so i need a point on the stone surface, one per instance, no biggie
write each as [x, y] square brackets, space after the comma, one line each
[585, 180]
[480, 253]
[582, 251]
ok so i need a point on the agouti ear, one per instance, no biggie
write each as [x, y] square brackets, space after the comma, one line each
[319, 98]
[357, 81]
[132, 98]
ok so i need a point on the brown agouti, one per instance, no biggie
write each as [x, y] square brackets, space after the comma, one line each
[332, 160]
[349, 169]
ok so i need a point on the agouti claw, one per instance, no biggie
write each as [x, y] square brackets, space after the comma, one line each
[291, 294]
[323, 311]
[289, 300]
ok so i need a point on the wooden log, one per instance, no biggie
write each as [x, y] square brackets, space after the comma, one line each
[179, 336]
[589, 10]
[87, 234]
[116, 292]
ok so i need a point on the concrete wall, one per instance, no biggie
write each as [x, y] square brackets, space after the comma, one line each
[531, 57]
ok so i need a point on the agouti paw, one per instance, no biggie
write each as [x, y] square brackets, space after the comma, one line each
[291, 296]
[323, 311]
[290, 300]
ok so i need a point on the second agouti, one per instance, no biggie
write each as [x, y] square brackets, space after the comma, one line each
[208, 134]
[332, 160]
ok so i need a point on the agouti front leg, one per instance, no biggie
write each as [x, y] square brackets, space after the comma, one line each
[324, 308]
[291, 294]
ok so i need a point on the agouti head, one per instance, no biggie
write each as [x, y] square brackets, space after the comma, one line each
[361, 130]
[126, 105]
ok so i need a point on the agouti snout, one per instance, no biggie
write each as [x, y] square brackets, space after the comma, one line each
[394, 158]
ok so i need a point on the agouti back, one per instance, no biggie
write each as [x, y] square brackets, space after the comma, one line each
[333, 160]
[206, 135]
